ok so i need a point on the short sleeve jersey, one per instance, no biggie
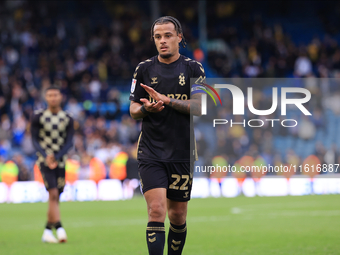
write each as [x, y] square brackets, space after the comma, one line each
[165, 136]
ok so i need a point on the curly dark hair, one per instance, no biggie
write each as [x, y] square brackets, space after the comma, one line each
[168, 19]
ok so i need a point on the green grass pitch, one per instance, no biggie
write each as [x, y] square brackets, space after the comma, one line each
[259, 225]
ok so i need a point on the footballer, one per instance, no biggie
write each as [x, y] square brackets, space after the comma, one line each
[160, 96]
[52, 135]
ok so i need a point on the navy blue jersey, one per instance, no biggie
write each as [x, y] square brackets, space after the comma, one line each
[165, 136]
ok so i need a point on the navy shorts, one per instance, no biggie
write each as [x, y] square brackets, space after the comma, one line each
[175, 177]
[53, 178]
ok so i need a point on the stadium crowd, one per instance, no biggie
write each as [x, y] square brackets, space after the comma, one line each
[91, 53]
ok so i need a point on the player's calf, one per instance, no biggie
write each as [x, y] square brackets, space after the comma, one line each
[155, 238]
[177, 213]
[155, 231]
[176, 238]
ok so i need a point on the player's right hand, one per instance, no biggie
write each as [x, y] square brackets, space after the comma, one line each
[53, 165]
[152, 107]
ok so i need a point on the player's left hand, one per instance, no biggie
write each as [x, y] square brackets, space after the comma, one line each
[155, 95]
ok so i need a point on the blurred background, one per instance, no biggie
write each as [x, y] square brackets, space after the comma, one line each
[91, 48]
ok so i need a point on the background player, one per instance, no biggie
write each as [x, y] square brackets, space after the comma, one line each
[52, 134]
[164, 159]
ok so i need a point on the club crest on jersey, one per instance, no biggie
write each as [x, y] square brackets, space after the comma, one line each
[181, 79]
[133, 85]
[154, 80]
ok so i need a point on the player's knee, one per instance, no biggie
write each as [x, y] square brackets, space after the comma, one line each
[177, 216]
[54, 195]
[157, 211]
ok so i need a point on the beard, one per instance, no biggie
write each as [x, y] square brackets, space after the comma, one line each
[166, 55]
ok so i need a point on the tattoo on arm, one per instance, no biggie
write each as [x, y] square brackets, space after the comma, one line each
[192, 106]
